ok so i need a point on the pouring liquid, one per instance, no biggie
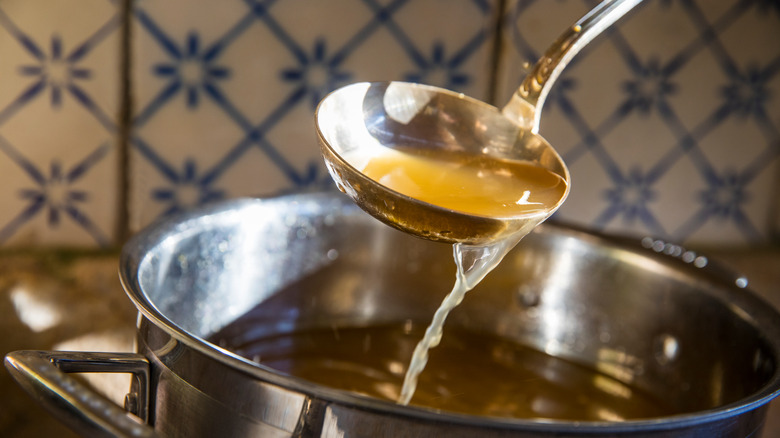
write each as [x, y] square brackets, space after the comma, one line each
[473, 184]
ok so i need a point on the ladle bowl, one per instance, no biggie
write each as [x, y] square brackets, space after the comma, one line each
[356, 122]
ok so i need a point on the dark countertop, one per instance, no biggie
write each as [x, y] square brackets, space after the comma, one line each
[73, 301]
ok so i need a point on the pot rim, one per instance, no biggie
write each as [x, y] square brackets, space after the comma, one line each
[136, 249]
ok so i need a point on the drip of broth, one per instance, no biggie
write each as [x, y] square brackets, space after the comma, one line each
[474, 184]
[473, 264]
[469, 373]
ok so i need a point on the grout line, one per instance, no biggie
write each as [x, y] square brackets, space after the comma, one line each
[774, 207]
[125, 112]
[495, 56]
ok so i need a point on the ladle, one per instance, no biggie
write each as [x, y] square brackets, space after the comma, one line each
[355, 122]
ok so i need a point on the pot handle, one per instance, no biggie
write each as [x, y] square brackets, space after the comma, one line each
[43, 375]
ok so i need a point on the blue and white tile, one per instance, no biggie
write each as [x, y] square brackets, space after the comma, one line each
[224, 92]
[670, 122]
[59, 107]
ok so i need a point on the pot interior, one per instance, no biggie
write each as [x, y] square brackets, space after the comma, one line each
[674, 331]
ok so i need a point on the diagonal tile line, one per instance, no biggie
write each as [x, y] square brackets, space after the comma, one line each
[746, 226]
[626, 52]
[770, 154]
[260, 11]
[384, 16]
[19, 103]
[469, 48]
[766, 126]
[78, 53]
[87, 224]
[173, 50]
[26, 165]
[23, 39]
[704, 38]
[22, 218]
[715, 46]
[685, 139]
[485, 5]
[157, 33]
[688, 142]
[39, 201]
[218, 98]
[87, 163]
[162, 97]
[706, 213]
[380, 15]
[149, 153]
[74, 174]
[709, 173]
[96, 38]
[590, 137]
[36, 52]
[616, 209]
[519, 42]
[254, 135]
[768, 157]
[93, 108]
[693, 223]
[237, 30]
[772, 69]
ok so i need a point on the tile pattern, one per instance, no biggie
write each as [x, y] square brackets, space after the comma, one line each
[224, 92]
[59, 106]
[679, 137]
[670, 123]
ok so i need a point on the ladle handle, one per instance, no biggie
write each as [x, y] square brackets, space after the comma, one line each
[525, 106]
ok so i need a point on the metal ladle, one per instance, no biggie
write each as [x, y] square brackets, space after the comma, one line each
[355, 122]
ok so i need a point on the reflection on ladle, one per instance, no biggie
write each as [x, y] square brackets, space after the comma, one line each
[439, 165]
[362, 121]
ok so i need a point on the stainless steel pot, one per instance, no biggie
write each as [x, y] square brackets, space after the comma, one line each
[663, 318]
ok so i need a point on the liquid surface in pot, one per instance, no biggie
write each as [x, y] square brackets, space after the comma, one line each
[468, 373]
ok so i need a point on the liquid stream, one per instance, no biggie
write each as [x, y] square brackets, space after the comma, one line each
[473, 264]
[473, 184]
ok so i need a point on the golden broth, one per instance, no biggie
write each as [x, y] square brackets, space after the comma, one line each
[469, 373]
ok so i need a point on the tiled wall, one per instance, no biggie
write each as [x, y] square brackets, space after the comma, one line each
[59, 122]
[670, 123]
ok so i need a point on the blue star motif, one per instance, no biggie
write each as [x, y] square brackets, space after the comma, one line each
[55, 193]
[55, 71]
[188, 191]
[725, 195]
[629, 198]
[318, 74]
[192, 69]
[438, 70]
[747, 93]
[649, 88]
